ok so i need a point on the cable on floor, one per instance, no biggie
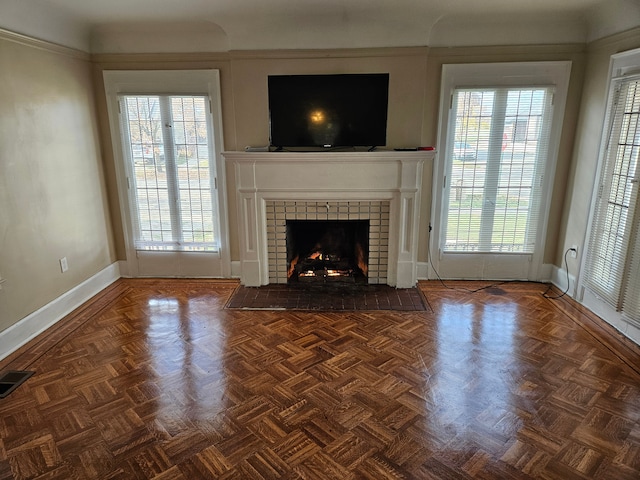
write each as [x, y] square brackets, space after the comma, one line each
[566, 265]
[497, 284]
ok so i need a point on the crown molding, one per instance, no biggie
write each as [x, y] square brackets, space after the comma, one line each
[508, 50]
[618, 41]
[328, 53]
[43, 45]
[150, 58]
[202, 57]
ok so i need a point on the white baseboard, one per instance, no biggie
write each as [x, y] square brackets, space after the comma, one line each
[633, 333]
[32, 325]
[422, 271]
[548, 273]
[558, 277]
[123, 265]
[236, 269]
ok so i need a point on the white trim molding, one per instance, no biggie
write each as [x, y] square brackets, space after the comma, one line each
[34, 324]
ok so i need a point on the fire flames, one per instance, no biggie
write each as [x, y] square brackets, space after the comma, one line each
[319, 264]
[336, 257]
[361, 259]
[292, 266]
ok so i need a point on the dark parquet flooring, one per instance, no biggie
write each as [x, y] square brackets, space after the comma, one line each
[156, 379]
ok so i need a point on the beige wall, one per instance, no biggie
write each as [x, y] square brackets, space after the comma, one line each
[407, 77]
[52, 194]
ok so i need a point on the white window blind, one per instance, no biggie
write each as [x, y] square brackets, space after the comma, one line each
[497, 155]
[167, 138]
[613, 258]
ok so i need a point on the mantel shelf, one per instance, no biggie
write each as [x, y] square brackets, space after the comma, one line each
[336, 156]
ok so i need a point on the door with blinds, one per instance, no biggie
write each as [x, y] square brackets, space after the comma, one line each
[495, 161]
[612, 273]
[167, 141]
[172, 185]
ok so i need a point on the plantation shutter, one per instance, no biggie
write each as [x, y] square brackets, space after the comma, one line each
[613, 259]
[497, 158]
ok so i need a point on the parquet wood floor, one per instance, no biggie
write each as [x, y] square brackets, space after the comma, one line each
[154, 379]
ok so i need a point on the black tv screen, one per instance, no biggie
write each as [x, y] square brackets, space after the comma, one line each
[345, 110]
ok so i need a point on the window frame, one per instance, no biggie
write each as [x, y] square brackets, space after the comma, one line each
[481, 75]
[169, 82]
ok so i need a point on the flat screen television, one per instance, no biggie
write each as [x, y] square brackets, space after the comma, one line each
[343, 110]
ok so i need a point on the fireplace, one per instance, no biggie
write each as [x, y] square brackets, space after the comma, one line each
[282, 216]
[327, 251]
[383, 188]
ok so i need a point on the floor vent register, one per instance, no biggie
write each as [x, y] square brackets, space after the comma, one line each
[11, 380]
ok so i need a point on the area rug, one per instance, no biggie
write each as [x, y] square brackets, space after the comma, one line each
[327, 298]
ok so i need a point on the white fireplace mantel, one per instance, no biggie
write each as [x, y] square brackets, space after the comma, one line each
[329, 176]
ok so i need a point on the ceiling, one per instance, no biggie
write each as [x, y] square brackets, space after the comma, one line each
[223, 25]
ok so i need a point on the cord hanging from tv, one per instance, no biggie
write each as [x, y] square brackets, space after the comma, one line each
[328, 111]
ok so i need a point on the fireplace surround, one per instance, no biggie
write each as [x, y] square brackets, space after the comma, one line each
[383, 187]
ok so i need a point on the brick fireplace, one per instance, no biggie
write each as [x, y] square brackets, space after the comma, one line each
[383, 188]
[376, 212]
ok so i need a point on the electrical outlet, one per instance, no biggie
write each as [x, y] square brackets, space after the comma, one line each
[64, 266]
[574, 251]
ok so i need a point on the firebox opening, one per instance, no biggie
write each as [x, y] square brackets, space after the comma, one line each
[322, 251]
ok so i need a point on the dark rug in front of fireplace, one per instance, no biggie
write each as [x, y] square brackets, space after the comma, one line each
[327, 298]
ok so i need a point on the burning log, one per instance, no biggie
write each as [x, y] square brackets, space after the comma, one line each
[321, 251]
[324, 267]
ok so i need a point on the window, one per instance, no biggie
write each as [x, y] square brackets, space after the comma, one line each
[173, 177]
[613, 257]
